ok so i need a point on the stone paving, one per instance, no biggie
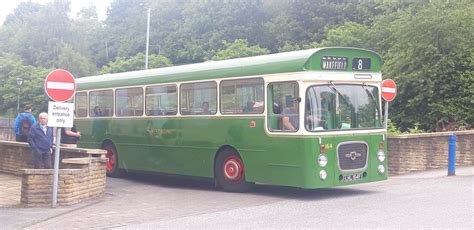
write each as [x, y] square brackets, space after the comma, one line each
[145, 202]
[10, 190]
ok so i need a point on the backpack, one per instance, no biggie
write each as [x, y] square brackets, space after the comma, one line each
[25, 125]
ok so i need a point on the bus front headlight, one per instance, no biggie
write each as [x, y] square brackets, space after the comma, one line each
[381, 169]
[322, 160]
[381, 155]
[323, 174]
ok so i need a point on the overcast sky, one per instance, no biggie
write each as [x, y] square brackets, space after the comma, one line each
[8, 6]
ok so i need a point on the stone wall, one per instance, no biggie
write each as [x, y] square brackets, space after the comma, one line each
[85, 181]
[17, 155]
[82, 174]
[416, 152]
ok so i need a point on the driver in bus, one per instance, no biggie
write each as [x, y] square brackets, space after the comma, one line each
[314, 122]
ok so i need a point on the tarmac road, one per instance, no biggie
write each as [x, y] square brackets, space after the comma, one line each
[418, 200]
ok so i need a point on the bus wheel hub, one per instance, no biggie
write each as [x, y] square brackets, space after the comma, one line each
[111, 160]
[233, 169]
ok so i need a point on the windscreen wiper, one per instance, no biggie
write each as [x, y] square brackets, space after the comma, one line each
[371, 96]
[334, 88]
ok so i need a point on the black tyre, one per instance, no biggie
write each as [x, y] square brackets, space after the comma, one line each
[111, 166]
[229, 172]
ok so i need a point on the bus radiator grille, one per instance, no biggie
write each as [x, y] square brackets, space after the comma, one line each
[352, 155]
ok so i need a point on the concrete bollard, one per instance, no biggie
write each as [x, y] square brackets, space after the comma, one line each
[452, 155]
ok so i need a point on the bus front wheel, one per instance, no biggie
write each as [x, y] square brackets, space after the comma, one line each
[230, 172]
[111, 166]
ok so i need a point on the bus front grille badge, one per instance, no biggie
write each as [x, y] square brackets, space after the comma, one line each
[353, 155]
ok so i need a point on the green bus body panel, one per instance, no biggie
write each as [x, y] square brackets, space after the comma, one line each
[259, 65]
[188, 146]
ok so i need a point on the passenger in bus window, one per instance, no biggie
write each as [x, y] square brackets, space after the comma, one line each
[249, 107]
[98, 112]
[290, 115]
[205, 108]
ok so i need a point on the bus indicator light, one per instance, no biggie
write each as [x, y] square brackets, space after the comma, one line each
[252, 124]
[321, 149]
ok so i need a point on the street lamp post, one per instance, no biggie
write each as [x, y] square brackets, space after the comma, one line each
[147, 38]
[19, 81]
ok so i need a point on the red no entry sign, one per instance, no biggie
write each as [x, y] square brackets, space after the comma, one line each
[389, 90]
[60, 85]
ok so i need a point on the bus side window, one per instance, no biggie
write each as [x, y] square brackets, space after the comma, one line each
[279, 92]
[198, 98]
[161, 100]
[100, 103]
[242, 96]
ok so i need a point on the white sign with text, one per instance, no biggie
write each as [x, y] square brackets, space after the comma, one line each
[60, 114]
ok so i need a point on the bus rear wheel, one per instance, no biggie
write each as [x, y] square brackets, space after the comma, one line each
[111, 166]
[229, 172]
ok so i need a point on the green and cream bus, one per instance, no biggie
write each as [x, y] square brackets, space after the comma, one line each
[229, 120]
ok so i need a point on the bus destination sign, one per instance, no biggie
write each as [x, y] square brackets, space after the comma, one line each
[333, 63]
[361, 63]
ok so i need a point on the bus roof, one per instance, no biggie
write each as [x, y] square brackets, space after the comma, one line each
[295, 61]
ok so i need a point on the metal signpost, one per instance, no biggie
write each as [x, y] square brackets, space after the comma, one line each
[60, 86]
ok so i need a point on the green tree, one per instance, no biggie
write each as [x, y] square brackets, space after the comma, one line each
[184, 31]
[31, 91]
[427, 50]
[239, 48]
[431, 57]
[350, 34]
[126, 28]
[302, 22]
[36, 32]
[74, 62]
[204, 24]
[44, 34]
[136, 63]
[90, 37]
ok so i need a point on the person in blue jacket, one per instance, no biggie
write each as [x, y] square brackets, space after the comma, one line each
[40, 139]
[22, 128]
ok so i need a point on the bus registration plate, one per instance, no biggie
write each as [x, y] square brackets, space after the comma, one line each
[352, 177]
